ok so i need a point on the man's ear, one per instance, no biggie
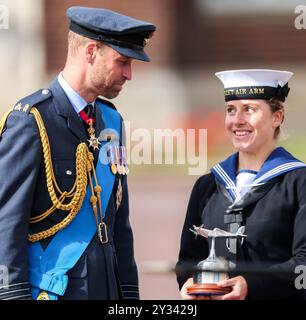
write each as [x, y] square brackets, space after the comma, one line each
[90, 52]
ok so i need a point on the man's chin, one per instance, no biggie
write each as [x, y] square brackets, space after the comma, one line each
[111, 95]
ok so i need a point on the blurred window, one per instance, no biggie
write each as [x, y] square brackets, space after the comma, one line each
[230, 7]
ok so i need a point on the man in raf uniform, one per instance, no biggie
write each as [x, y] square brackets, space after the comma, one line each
[64, 215]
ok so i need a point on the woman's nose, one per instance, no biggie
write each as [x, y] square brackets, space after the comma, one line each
[239, 118]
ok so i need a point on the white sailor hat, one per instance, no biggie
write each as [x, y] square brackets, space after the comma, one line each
[255, 84]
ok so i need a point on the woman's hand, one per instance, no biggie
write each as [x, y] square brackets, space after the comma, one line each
[183, 291]
[186, 296]
[239, 289]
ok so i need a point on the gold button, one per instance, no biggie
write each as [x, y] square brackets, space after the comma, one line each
[43, 296]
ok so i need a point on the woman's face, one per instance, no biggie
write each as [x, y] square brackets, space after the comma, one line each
[250, 124]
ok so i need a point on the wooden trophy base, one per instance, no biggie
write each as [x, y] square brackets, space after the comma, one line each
[208, 289]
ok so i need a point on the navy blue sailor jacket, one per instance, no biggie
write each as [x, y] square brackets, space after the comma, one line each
[104, 271]
[273, 213]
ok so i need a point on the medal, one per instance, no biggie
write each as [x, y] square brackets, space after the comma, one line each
[93, 140]
[120, 169]
[111, 159]
[121, 161]
[114, 168]
[124, 160]
[117, 160]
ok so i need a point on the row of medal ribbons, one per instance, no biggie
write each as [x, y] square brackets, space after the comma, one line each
[117, 159]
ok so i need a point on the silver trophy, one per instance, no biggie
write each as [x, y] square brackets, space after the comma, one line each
[213, 269]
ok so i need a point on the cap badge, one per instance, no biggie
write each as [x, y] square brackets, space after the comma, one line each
[146, 41]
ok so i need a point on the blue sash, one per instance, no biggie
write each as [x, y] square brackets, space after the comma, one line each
[48, 268]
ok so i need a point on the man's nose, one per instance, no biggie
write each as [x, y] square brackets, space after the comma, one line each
[127, 73]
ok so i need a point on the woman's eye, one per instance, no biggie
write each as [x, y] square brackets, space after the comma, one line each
[250, 109]
[230, 110]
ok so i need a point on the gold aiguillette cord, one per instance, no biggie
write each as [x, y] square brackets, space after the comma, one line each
[96, 198]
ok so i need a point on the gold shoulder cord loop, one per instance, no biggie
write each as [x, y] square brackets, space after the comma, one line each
[84, 166]
[77, 193]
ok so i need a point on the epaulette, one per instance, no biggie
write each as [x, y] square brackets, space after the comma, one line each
[108, 103]
[25, 104]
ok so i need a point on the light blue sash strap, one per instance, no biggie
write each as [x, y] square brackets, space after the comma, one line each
[48, 268]
[112, 120]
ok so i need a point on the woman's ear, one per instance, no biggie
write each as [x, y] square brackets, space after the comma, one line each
[278, 118]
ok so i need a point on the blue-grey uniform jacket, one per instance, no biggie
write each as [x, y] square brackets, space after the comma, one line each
[104, 271]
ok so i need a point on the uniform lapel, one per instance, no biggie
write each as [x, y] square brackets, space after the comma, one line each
[65, 109]
[100, 125]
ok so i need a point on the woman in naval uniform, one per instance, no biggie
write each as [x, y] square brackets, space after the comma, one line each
[261, 187]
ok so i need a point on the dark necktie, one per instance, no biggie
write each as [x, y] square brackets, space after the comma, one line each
[86, 114]
[89, 110]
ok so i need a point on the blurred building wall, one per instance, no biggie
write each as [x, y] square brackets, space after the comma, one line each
[22, 51]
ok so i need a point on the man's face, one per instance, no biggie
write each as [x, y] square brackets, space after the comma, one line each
[109, 72]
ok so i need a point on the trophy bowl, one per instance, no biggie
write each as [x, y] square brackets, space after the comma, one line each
[213, 269]
[206, 276]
